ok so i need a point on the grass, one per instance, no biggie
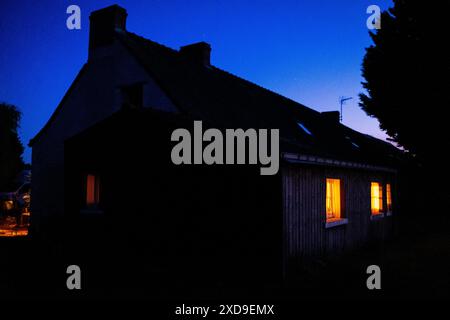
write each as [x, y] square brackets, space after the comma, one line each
[413, 266]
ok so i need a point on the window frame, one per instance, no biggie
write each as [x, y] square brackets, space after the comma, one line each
[131, 92]
[382, 207]
[94, 207]
[389, 206]
[341, 219]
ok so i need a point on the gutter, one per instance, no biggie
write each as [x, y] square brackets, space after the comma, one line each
[315, 160]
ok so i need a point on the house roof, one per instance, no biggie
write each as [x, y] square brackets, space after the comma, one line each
[224, 100]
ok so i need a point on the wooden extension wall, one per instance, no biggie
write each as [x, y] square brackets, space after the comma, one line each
[304, 191]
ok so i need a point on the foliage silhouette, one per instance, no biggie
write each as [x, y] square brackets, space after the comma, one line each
[11, 148]
[406, 74]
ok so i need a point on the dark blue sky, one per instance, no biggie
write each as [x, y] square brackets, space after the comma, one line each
[308, 50]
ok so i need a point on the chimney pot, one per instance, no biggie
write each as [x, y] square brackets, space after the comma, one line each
[332, 116]
[199, 52]
[103, 24]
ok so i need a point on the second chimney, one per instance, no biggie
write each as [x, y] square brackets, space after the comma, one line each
[199, 52]
[332, 116]
[103, 24]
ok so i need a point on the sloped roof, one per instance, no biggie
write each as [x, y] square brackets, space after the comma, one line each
[224, 100]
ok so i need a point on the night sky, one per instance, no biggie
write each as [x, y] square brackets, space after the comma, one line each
[310, 51]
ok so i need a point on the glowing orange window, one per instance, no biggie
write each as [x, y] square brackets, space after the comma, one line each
[388, 198]
[333, 199]
[92, 190]
[376, 191]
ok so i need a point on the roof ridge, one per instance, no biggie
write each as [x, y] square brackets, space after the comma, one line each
[289, 110]
[213, 67]
[264, 88]
[152, 42]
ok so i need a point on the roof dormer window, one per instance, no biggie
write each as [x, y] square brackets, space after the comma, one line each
[132, 96]
[305, 129]
[352, 143]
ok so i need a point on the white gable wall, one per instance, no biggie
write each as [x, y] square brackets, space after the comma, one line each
[93, 98]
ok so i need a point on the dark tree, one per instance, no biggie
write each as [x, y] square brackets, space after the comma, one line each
[407, 77]
[11, 148]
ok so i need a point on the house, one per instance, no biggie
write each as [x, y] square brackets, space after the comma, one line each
[102, 164]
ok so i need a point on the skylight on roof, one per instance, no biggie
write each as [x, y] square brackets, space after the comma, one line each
[353, 144]
[304, 128]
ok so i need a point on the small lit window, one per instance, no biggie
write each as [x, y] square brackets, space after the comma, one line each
[376, 191]
[301, 125]
[388, 198]
[92, 190]
[333, 199]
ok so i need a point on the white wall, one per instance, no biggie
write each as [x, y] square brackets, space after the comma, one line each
[94, 97]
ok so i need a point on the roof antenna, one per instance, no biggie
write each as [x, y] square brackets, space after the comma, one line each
[342, 100]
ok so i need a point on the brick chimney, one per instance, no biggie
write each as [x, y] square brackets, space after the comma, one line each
[103, 24]
[199, 52]
[332, 116]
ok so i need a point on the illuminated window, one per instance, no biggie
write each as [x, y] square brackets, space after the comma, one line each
[376, 192]
[333, 199]
[92, 190]
[388, 198]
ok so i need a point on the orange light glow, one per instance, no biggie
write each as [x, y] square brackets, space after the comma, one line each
[12, 227]
[333, 199]
[92, 190]
[388, 197]
[376, 191]
[13, 232]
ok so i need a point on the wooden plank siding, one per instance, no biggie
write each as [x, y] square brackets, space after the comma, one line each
[304, 212]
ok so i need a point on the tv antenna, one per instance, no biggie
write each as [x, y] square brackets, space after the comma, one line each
[342, 100]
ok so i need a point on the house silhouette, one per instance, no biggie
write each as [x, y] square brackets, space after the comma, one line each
[102, 169]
